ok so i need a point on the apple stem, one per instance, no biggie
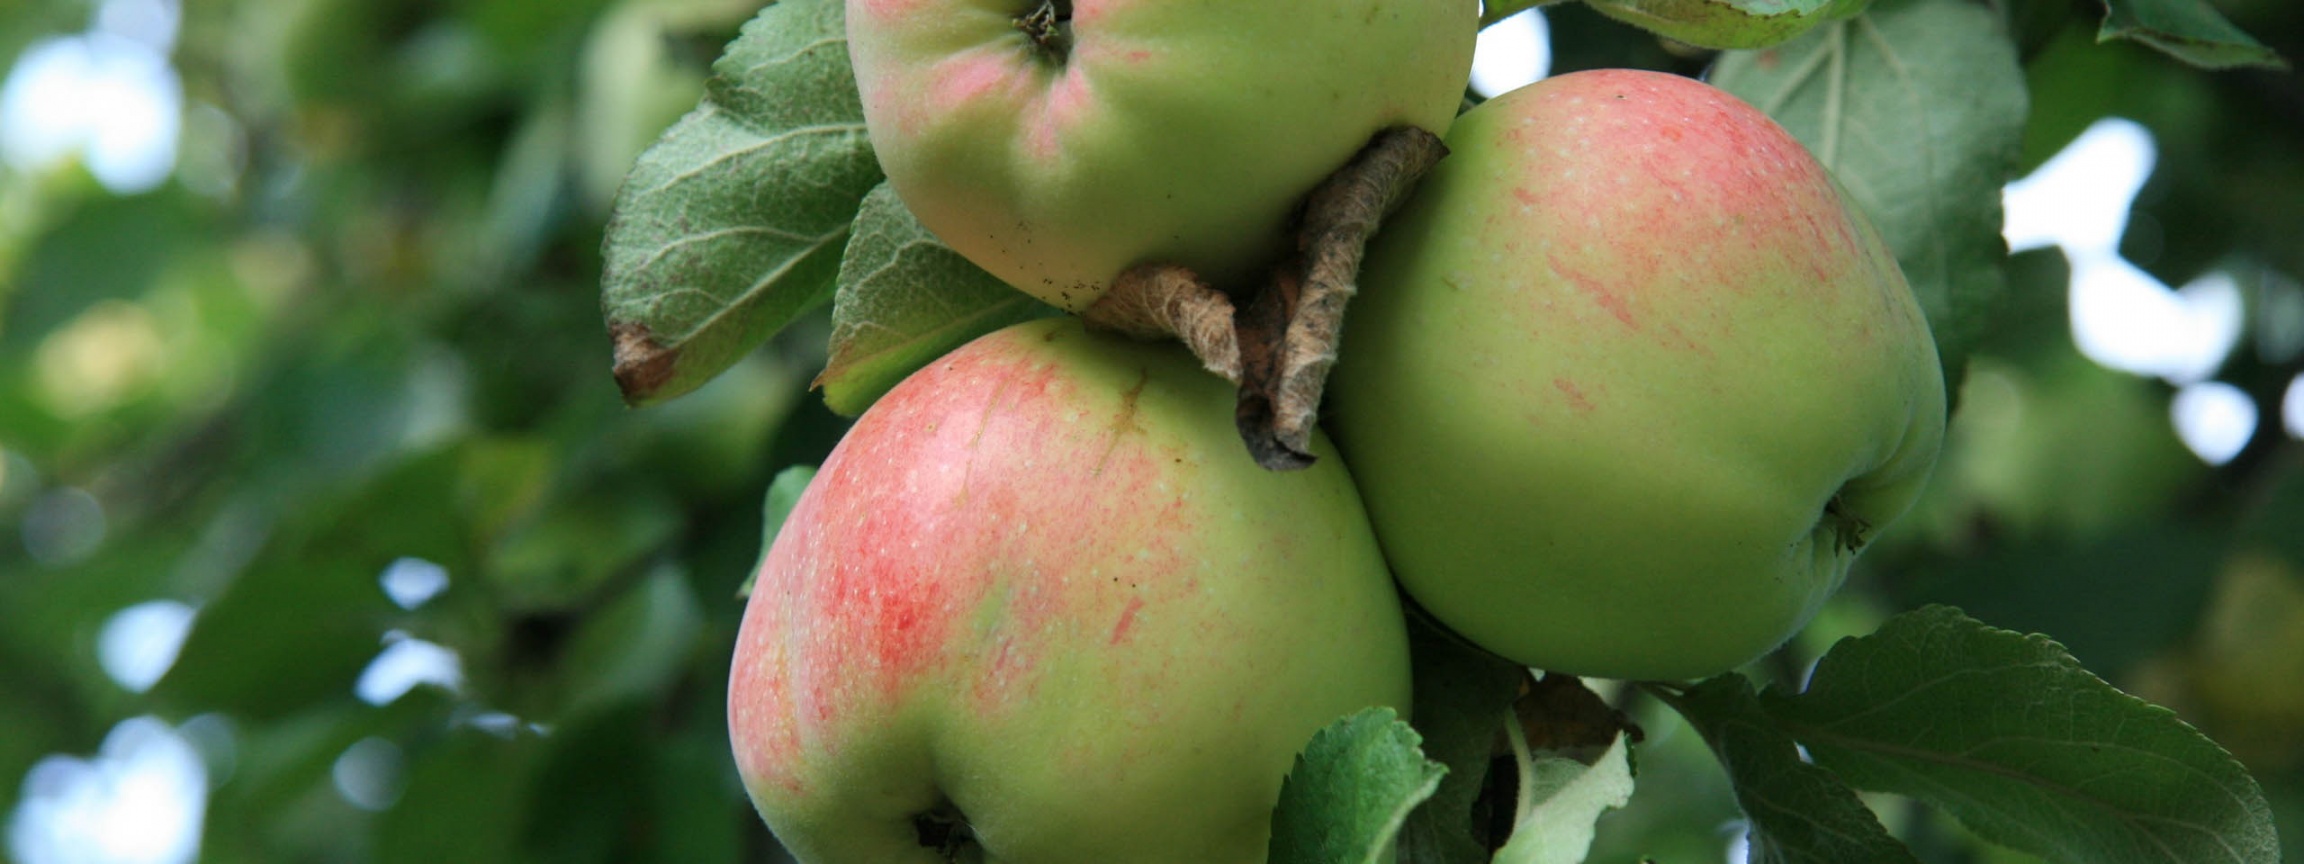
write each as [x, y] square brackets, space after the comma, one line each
[1279, 347]
[1849, 532]
[1290, 332]
[944, 830]
[1049, 25]
[1156, 301]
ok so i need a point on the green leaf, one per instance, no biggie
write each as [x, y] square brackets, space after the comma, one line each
[300, 624]
[1918, 108]
[578, 544]
[1572, 755]
[1463, 698]
[1565, 798]
[1798, 812]
[2027, 748]
[1725, 23]
[783, 495]
[636, 647]
[465, 800]
[591, 788]
[712, 442]
[524, 200]
[275, 762]
[694, 817]
[1351, 789]
[502, 481]
[732, 224]
[2278, 509]
[2117, 600]
[2188, 30]
[1492, 11]
[905, 299]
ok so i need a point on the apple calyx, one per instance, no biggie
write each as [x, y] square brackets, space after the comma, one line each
[945, 830]
[1049, 25]
[1849, 531]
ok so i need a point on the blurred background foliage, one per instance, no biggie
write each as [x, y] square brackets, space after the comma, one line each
[318, 423]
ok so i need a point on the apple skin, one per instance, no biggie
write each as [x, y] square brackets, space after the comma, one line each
[1175, 131]
[1039, 584]
[1611, 367]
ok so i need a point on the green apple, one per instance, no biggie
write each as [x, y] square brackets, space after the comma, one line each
[1057, 143]
[1629, 382]
[1038, 607]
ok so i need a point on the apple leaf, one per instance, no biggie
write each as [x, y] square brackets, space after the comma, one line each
[1798, 811]
[1725, 23]
[1351, 789]
[732, 224]
[2280, 507]
[904, 300]
[1918, 107]
[2028, 749]
[783, 495]
[2188, 30]
[635, 646]
[1564, 797]
[298, 625]
[577, 545]
[1573, 752]
[1463, 695]
[465, 798]
[1493, 11]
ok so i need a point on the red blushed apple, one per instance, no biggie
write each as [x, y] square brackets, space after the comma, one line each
[1038, 607]
[1057, 143]
[1629, 383]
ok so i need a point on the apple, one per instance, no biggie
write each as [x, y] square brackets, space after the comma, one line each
[1629, 382]
[1057, 143]
[1037, 606]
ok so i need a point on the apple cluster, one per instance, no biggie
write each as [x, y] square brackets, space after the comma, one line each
[1628, 385]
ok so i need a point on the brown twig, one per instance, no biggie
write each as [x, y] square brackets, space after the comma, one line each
[1280, 346]
[1289, 342]
[1156, 301]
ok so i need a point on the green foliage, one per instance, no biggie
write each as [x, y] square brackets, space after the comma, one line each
[2006, 732]
[274, 641]
[2009, 733]
[1727, 23]
[463, 801]
[634, 646]
[1463, 699]
[1916, 106]
[2188, 29]
[733, 224]
[1491, 13]
[1798, 811]
[904, 300]
[1351, 789]
[1560, 800]
[783, 495]
[359, 327]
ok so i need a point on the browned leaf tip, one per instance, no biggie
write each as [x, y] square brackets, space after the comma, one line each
[1161, 301]
[643, 366]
